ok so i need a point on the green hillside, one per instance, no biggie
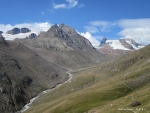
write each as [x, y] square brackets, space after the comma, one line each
[108, 88]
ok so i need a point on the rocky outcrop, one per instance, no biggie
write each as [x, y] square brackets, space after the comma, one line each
[13, 31]
[133, 42]
[17, 31]
[24, 30]
[103, 42]
[125, 44]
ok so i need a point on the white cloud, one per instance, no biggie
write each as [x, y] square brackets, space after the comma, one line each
[134, 23]
[91, 29]
[104, 25]
[58, 6]
[81, 5]
[94, 42]
[69, 4]
[34, 27]
[136, 29]
[72, 3]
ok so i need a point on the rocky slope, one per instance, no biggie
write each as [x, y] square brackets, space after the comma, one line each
[64, 46]
[24, 74]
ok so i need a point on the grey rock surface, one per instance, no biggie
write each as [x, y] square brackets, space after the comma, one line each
[32, 35]
[13, 31]
[24, 30]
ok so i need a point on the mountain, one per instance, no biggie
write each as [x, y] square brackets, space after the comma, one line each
[121, 85]
[62, 45]
[118, 47]
[30, 65]
[15, 31]
[23, 75]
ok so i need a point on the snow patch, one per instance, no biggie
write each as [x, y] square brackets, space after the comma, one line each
[115, 44]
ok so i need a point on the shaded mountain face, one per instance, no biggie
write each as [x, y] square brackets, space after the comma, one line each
[64, 46]
[24, 74]
[18, 30]
[118, 47]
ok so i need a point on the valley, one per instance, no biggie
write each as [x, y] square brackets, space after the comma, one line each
[109, 87]
[59, 71]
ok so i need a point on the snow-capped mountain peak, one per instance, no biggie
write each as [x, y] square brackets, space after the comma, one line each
[118, 47]
[123, 44]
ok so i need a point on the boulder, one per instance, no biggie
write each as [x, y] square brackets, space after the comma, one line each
[136, 103]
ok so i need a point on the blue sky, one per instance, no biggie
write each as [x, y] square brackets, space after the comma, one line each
[95, 19]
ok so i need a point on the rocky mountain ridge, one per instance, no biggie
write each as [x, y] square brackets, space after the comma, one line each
[64, 46]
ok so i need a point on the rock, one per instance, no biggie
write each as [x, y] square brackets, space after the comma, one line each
[17, 31]
[67, 29]
[32, 35]
[125, 44]
[13, 31]
[1, 32]
[24, 30]
[133, 42]
[103, 42]
[136, 103]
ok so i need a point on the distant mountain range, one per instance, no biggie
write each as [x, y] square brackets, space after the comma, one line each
[118, 47]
